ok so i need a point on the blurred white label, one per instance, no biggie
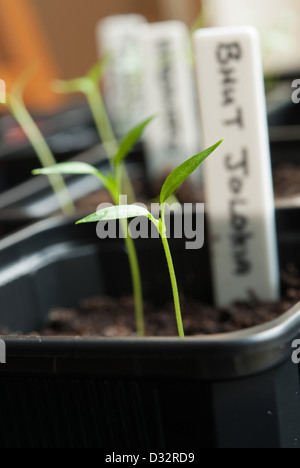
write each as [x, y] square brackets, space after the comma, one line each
[116, 36]
[169, 89]
[278, 22]
[237, 180]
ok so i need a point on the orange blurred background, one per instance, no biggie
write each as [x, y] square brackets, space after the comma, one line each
[58, 36]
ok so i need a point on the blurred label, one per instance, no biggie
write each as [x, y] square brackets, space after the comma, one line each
[169, 90]
[278, 22]
[117, 37]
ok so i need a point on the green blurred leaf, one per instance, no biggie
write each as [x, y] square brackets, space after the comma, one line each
[97, 71]
[182, 172]
[80, 168]
[23, 80]
[116, 212]
[130, 140]
[83, 84]
[77, 85]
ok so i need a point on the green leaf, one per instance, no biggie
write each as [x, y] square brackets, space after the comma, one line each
[84, 84]
[116, 212]
[130, 140]
[182, 172]
[77, 85]
[97, 71]
[79, 168]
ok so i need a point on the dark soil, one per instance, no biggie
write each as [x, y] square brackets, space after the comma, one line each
[108, 317]
[286, 180]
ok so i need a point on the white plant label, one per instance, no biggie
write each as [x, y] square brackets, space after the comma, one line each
[237, 179]
[278, 22]
[169, 90]
[116, 37]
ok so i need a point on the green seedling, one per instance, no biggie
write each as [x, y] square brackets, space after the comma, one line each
[113, 183]
[117, 182]
[89, 85]
[15, 104]
[125, 212]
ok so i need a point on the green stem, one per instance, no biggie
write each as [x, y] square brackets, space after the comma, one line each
[108, 138]
[124, 182]
[109, 141]
[136, 282]
[102, 122]
[43, 152]
[165, 242]
[135, 274]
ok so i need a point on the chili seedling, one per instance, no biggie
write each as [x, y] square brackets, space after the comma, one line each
[124, 212]
[113, 183]
[15, 104]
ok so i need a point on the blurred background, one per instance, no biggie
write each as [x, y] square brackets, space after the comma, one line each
[59, 35]
[65, 38]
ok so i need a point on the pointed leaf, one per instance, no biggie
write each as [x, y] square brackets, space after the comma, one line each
[79, 168]
[182, 172]
[116, 212]
[130, 140]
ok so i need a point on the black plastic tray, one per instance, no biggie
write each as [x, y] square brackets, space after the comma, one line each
[67, 132]
[284, 132]
[34, 199]
[237, 390]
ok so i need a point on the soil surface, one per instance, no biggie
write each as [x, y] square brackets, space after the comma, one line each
[108, 317]
[286, 180]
